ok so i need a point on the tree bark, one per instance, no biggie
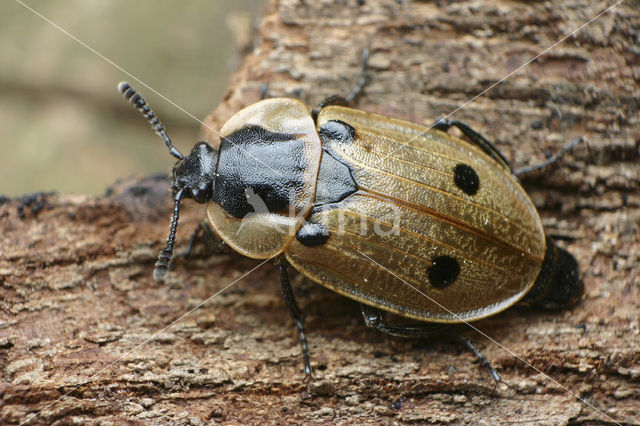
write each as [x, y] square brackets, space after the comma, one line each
[87, 335]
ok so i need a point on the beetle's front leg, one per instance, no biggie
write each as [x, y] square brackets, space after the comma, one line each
[264, 91]
[219, 246]
[351, 97]
[296, 313]
[373, 319]
[192, 239]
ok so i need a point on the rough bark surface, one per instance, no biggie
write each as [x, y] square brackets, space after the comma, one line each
[86, 335]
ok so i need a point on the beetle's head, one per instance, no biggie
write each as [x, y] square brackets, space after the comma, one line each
[194, 174]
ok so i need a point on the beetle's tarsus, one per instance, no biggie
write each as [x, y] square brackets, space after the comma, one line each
[373, 318]
[296, 313]
[465, 341]
[554, 159]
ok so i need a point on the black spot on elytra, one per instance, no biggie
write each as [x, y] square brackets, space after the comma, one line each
[443, 271]
[466, 179]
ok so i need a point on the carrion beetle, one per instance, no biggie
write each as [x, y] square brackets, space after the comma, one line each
[398, 216]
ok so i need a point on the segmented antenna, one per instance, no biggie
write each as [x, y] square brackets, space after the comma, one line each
[141, 105]
[166, 254]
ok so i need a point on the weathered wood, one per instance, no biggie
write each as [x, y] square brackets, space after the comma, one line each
[80, 311]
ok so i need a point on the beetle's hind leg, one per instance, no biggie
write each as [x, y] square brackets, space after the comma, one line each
[490, 149]
[296, 313]
[373, 319]
[465, 341]
[475, 138]
[550, 161]
[351, 97]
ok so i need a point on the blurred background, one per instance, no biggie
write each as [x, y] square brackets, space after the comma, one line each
[63, 125]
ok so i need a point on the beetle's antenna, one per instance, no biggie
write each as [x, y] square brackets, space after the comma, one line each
[167, 253]
[138, 101]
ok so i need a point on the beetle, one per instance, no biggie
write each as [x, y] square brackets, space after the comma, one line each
[401, 217]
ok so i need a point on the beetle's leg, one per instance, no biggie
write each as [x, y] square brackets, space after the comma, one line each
[553, 159]
[475, 138]
[351, 97]
[296, 313]
[331, 100]
[264, 91]
[465, 341]
[192, 239]
[373, 318]
[357, 91]
[219, 246]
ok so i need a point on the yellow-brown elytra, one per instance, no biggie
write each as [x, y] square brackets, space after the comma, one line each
[398, 216]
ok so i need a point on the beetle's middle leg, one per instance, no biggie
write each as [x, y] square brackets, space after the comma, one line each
[373, 319]
[296, 313]
[351, 97]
